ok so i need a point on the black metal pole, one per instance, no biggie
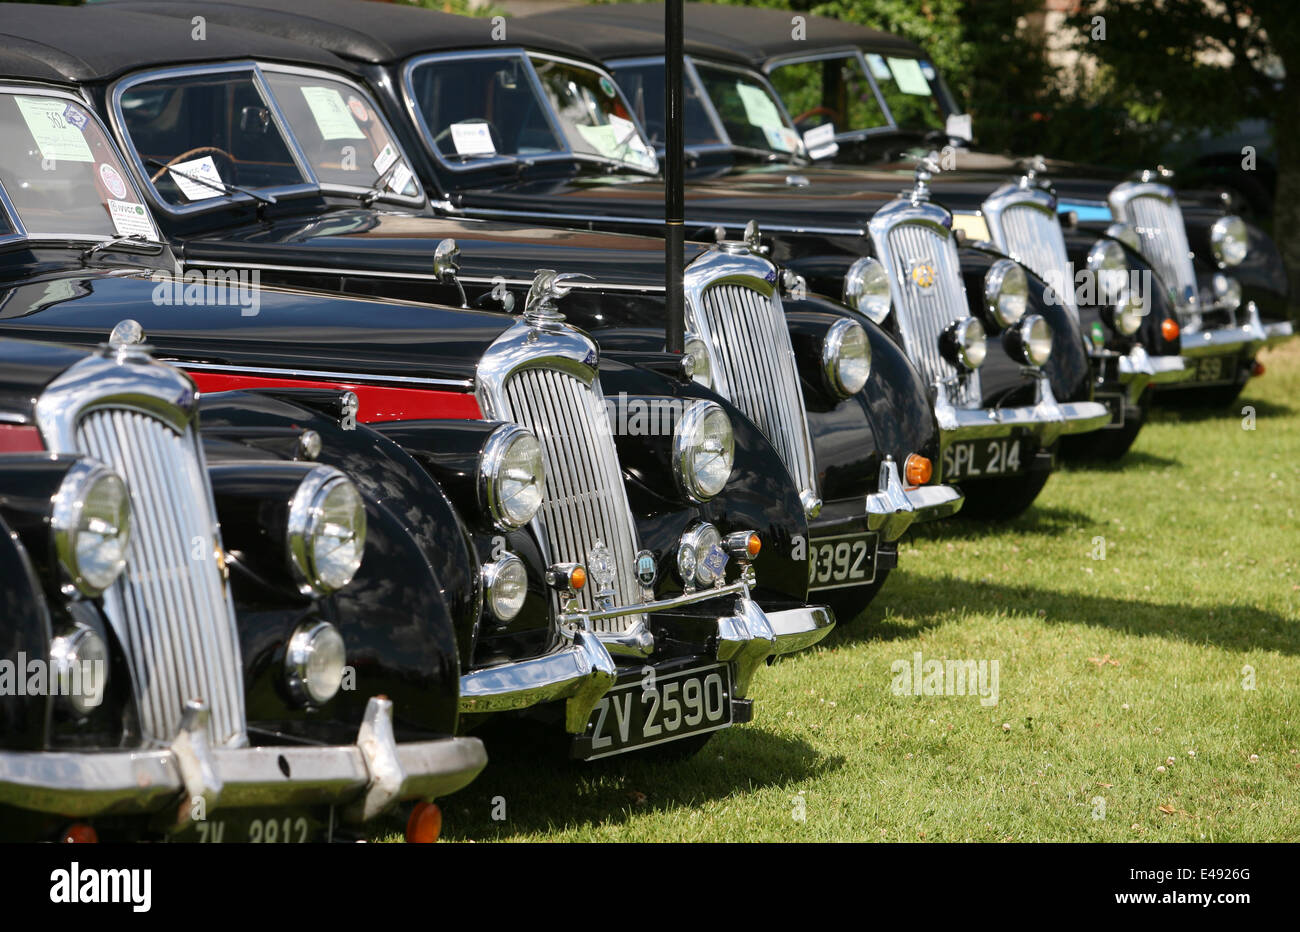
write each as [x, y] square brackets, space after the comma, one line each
[674, 167]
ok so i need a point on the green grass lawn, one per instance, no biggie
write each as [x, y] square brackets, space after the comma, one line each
[1123, 710]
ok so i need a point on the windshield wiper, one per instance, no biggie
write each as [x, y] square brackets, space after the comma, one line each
[117, 242]
[224, 187]
[377, 189]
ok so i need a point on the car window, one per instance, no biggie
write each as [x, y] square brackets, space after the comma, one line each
[644, 86]
[910, 87]
[62, 173]
[476, 108]
[829, 91]
[341, 133]
[196, 132]
[594, 117]
[749, 113]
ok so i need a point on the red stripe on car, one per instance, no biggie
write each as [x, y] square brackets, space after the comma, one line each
[377, 402]
[20, 438]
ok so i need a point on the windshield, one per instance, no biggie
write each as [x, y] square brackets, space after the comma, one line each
[643, 83]
[62, 174]
[910, 87]
[341, 133]
[829, 92]
[749, 113]
[592, 114]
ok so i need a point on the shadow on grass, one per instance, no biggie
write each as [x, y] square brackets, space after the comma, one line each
[1191, 412]
[1133, 459]
[1040, 519]
[542, 790]
[933, 603]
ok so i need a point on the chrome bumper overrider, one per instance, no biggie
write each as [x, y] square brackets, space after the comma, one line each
[1047, 419]
[1139, 369]
[582, 672]
[893, 508]
[362, 778]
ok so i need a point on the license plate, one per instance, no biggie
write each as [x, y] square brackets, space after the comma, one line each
[841, 562]
[258, 827]
[657, 710]
[971, 459]
[1215, 368]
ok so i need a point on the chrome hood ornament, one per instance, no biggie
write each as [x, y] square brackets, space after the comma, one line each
[446, 265]
[541, 307]
[926, 168]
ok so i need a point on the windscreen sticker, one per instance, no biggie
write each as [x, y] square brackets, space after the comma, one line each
[332, 116]
[879, 70]
[627, 138]
[782, 138]
[820, 141]
[197, 168]
[75, 117]
[927, 69]
[358, 108]
[131, 219]
[399, 179]
[759, 109]
[58, 140]
[603, 139]
[112, 180]
[387, 156]
[472, 139]
[908, 76]
[958, 125]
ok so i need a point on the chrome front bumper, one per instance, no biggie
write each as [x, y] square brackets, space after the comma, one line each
[362, 778]
[1139, 369]
[1047, 419]
[582, 671]
[1252, 335]
[893, 508]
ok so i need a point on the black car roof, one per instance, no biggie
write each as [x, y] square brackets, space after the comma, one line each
[100, 42]
[15, 64]
[749, 33]
[360, 30]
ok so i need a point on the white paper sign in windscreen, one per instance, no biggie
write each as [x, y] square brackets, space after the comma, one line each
[197, 168]
[472, 139]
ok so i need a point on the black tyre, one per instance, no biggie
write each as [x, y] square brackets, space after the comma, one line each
[1108, 445]
[1001, 499]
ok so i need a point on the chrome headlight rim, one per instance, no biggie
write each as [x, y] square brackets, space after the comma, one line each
[68, 653]
[964, 343]
[1229, 241]
[491, 461]
[697, 348]
[873, 305]
[700, 537]
[833, 356]
[685, 448]
[308, 640]
[1004, 274]
[69, 512]
[306, 510]
[1034, 341]
[1128, 312]
[1227, 291]
[495, 574]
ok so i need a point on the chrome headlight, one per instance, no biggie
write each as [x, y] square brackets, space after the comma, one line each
[314, 662]
[701, 363]
[327, 531]
[1227, 291]
[92, 527]
[506, 584]
[846, 357]
[1108, 264]
[700, 540]
[512, 478]
[963, 343]
[704, 450]
[1229, 240]
[1129, 311]
[1006, 291]
[866, 289]
[1031, 342]
[79, 667]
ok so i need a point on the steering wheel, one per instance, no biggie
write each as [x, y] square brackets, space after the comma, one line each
[818, 111]
[198, 153]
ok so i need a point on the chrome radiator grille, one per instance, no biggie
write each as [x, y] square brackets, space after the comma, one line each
[170, 607]
[751, 348]
[1159, 223]
[585, 498]
[918, 252]
[1033, 237]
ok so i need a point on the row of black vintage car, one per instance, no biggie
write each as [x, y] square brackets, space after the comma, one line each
[285, 285]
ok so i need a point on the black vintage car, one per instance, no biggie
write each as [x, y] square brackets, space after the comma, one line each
[727, 101]
[556, 142]
[578, 537]
[216, 625]
[844, 408]
[872, 99]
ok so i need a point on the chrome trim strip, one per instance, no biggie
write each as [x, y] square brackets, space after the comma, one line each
[359, 378]
[737, 225]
